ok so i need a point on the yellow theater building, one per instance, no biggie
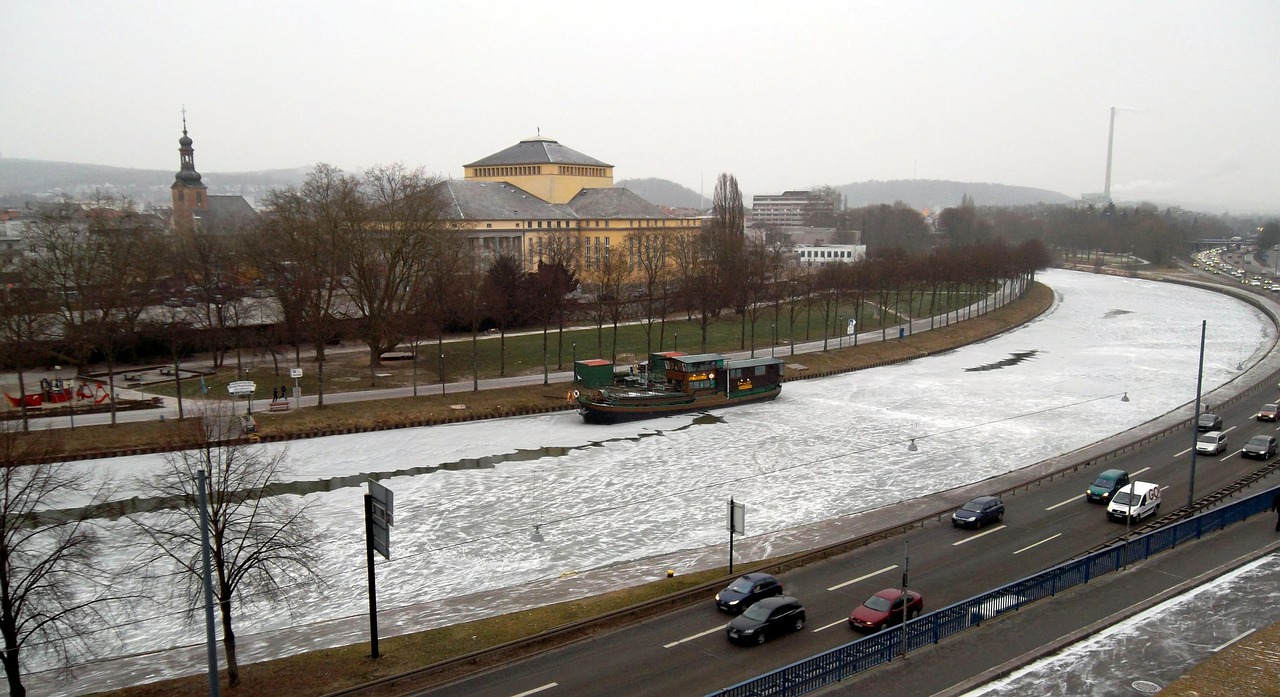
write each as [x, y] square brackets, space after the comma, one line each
[517, 201]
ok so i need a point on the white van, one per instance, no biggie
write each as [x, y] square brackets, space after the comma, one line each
[1137, 500]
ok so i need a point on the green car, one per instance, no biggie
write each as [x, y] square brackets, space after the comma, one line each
[1107, 483]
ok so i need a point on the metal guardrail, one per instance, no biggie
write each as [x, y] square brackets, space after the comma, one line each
[863, 654]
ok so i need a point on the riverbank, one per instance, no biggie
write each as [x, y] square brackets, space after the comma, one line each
[433, 409]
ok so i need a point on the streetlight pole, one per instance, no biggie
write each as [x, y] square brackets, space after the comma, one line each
[1195, 431]
[906, 600]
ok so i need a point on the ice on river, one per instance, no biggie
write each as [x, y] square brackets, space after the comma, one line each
[469, 495]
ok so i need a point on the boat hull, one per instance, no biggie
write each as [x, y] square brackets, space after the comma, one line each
[622, 409]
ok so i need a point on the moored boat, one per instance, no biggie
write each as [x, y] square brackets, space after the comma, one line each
[675, 383]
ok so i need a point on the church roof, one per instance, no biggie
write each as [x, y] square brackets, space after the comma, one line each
[224, 213]
[538, 151]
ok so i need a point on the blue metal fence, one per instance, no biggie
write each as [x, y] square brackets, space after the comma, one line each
[868, 652]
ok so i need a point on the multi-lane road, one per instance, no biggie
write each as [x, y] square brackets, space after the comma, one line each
[687, 653]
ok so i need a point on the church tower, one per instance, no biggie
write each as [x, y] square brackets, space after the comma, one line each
[188, 192]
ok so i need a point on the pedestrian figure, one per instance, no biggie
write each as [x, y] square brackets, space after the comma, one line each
[283, 393]
[275, 394]
[1275, 506]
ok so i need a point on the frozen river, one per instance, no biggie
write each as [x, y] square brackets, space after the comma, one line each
[468, 496]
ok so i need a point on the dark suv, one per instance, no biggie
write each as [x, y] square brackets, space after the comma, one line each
[1261, 447]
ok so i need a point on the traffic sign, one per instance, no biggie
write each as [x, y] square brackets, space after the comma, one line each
[295, 373]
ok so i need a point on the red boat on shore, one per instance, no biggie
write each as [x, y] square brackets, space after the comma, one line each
[55, 392]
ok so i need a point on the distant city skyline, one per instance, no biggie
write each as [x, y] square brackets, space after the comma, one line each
[782, 97]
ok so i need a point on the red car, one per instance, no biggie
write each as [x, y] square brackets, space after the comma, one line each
[1269, 412]
[884, 609]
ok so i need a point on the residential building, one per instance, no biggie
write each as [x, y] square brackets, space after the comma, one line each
[788, 209]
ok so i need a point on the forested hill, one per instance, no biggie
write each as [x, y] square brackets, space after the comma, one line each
[937, 193]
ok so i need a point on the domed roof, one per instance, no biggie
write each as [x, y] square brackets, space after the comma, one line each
[184, 141]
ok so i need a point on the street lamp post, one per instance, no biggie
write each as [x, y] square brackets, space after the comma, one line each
[774, 344]
[1191, 484]
[442, 373]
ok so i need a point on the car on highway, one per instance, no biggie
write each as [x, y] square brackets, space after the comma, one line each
[768, 618]
[1211, 443]
[1261, 447]
[1209, 422]
[1105, 486]
[746, 590]
[1268, 412]
[1135, 502]
[884, 609]
[978, 512]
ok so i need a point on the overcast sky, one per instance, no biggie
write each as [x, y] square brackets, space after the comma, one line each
[781, 95]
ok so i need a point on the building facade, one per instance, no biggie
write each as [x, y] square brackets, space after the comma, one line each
[533, 197]
[808, 256]
[787, 209]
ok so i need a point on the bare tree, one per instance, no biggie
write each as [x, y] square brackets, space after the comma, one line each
[561, 247]
[260, 539]
[301, 247]
[503, 296]
[389, 257]
[652, 252]
[53, 596]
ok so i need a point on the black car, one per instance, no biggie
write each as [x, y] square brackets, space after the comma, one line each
[1209, 422]
[978, 512]
[748, 589]
[1261, 447]
[769, 617]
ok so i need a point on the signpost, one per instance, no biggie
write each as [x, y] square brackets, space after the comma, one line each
[242, 388]
[296, 373]
[737, 524]
[379, 513]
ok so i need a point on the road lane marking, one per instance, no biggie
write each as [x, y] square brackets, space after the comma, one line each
[838, 586]
[1038, 543]
[536, 690]
[971, 538]
[713, 630]
[1232, 641]
[1073, 499]
[829, 626]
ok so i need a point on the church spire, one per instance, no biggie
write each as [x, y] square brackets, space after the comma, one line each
[187, 176]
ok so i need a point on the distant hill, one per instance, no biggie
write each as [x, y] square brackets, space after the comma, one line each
[938, 194]
[21, 180]
[24, 179]
[662, 192]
